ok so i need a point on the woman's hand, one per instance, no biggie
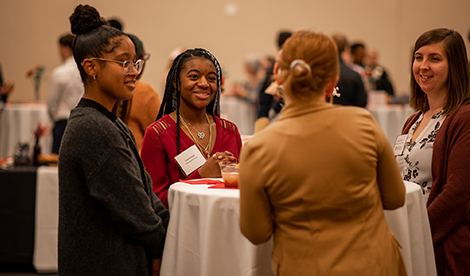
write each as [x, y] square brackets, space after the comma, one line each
[225, 157]
[211, 167]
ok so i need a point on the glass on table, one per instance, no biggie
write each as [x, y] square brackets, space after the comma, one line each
[229, 174]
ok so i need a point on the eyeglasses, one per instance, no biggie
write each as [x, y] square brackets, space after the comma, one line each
[127, 65]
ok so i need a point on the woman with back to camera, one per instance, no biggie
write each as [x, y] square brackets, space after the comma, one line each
[189, 116]
[110, 221]
[322, 192]
[433, 150]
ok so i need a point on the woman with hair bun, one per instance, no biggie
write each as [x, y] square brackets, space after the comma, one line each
[110, 221]
[319, 178]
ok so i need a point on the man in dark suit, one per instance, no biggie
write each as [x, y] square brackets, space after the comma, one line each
[351, 87]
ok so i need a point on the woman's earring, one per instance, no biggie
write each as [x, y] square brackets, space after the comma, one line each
[94, 77]
[280, 90]
[335, 92]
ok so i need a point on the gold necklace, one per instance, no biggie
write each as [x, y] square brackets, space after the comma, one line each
[201, 134]
[200, 146]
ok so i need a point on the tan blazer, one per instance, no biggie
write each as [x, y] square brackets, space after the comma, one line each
[141, 110]
[318, 180]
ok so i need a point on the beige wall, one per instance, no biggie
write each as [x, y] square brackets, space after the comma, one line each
[29, 30]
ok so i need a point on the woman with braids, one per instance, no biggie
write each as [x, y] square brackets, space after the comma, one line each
[188, 116]
[110, 221]
[321, 195]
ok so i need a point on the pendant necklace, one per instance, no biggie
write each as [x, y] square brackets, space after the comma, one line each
[201, 134]
[205, 149]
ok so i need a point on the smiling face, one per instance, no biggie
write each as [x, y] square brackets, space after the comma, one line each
[431, 69]
[113, 83]
[198, 83]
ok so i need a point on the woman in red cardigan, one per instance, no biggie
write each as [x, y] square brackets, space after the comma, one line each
[189, 117]
[433, 149]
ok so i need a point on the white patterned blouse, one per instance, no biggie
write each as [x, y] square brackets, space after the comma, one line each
[415, 161]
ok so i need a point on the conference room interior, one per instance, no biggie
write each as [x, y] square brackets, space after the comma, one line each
[231, 30]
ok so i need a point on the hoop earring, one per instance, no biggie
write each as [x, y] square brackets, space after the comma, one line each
[94, 77]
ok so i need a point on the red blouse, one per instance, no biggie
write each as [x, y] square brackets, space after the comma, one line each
[159, 151]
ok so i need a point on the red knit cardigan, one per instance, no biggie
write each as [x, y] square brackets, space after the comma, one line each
[449, 200]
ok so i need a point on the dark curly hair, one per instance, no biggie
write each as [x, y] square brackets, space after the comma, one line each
[93, 36]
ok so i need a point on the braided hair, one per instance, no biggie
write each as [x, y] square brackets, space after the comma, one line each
[171, 97]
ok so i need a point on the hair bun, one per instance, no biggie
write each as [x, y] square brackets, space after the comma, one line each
[300, 67]
[84, 19]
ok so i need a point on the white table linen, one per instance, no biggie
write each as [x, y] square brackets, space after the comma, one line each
[47, 220]
[410, 225]
[204, 237]
[17, 124]
[391, 118]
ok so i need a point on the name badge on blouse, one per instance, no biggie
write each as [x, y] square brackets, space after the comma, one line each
[190, 160]
[400, 144]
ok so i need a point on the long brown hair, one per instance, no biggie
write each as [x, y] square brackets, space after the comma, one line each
[458, 80]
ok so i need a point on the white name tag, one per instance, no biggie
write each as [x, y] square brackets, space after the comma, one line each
[190, 160]
[400, 144]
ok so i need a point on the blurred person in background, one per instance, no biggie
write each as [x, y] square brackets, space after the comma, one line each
[358, 53]
[350, 84]
[377, 76]
[270, 104]
[355, 61]
[6, 89]
[266, 100]
[65, 90]
[248, 90]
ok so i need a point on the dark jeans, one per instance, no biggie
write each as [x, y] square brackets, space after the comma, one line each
[57, 133]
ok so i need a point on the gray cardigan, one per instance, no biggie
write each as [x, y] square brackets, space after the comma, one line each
[110, 221]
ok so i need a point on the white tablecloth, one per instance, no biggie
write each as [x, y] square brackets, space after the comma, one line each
[204, 235]
[239, 112]
[391, 118]
[17, 124]
[410, 225]
[47, 220]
